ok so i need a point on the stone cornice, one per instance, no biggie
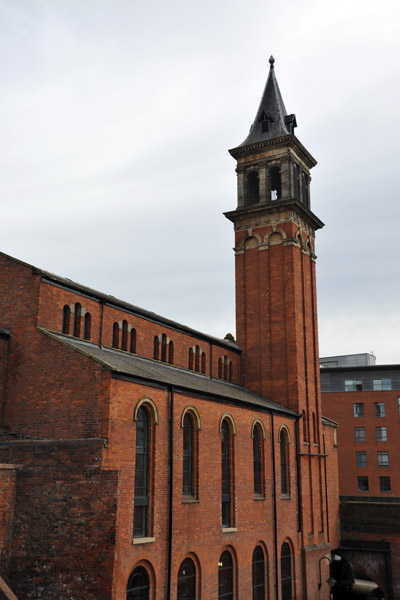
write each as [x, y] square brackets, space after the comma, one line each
[289, 141]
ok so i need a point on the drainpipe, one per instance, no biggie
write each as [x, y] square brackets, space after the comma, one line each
[275, 508]
[298, 474]
[171, 475]
[326, 489]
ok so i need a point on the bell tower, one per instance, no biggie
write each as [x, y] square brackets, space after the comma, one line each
[276, 319]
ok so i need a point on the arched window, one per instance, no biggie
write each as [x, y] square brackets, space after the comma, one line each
[230, 371]
[252, 188]
[296, 181]
[284, 450]
[303, 412]
[258, 573]
[275, 183]
[226, 368]
[220, 372]
[226, 475]
[66, 319]
[286, 572]
[225, 576]
[124, 344]
[314, 424]
[171, 353]
[191, 359]
[132, 347]
[141, 504]
[138, 585]
[115, 341]
[87, 326]
[257, 460]
[77, 320]
[304, 189]
[203, 362]
[187, 580]
[188, 470]
[164, 348]
[156, 353]
[197, 360]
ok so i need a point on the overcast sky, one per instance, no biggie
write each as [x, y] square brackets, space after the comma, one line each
[115, 120]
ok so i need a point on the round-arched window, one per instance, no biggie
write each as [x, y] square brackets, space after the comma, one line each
[187, 580]
[138, 585]
[225, 576]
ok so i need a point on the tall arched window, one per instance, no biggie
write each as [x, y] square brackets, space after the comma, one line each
[226, 364]
[284, 451]
[203, 362]
[187, 580]
[296, 181]
[275, 183]
[286, 572]
[133, 341]
[257, 460]
[230, 371]
[115, 341]
[191, 359]
[171, 353]
[138, 585]
[225, 576]
[156, 352]
[66, 319]
[226, 475]
[220, 371]
[314, 424]
[77, 320]
[87, 326]
[164, 347]
[188, 470]
[141, 505]
[197, 360]
[252, 188]
[303, 418]
[124, 344]
[258, 574]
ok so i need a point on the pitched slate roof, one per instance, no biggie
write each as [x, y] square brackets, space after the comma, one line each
[272, 111]
[136, 367]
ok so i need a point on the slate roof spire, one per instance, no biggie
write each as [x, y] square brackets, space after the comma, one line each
[272, 120]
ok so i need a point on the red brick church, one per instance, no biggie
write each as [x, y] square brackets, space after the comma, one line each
[144, 460]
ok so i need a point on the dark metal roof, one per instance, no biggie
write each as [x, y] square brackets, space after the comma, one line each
[68, 284]
[271, 110]
[136, 367]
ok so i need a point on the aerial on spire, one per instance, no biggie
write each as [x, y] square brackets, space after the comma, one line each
[272, 120]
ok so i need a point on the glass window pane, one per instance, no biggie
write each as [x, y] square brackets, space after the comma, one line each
[138, 585]
[225, 577]
[187, 580]
[286, 572]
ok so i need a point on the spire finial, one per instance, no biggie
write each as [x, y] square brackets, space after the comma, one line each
[271, 62]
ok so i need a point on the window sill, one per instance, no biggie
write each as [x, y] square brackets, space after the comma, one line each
[189, 500]
[306, 443]
[228, 529]
[143, 540]
[285, 497]
[258, 497]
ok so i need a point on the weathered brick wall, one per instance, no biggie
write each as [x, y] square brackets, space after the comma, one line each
[65, 522]
[8, 477]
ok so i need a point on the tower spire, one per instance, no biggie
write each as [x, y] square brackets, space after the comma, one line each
[271, 120]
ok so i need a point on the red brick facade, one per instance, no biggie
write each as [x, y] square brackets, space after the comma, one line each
[79, 400]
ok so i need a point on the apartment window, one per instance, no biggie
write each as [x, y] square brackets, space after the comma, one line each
[359, 434]
[187, 487]
[258, 574]
[381, 434]
[379, 409]
[363, 485]
[225, 576]
[284, 451]
[226, 474]
[361, 459]
[257, 459]
[353, 385]
[141, 505]
[384, 484]
[286, 572]
[382, 385]
[187, 580]
[358, 409]
[383, 459]
[138, 585]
